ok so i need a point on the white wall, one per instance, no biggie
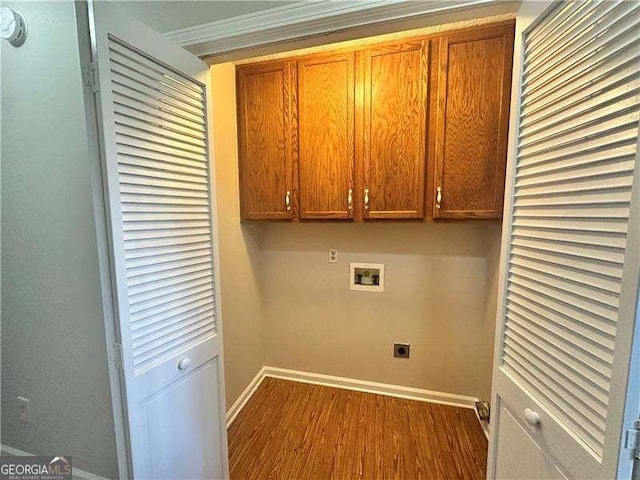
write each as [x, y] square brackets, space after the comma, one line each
[53, 343]
[240, 251]
[440, 286]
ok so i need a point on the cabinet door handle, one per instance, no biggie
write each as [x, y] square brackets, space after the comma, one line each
[287, 200]
[366, 199]
[350, 199]
[438, 197]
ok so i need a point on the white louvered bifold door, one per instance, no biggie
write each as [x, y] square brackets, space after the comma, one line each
[164, 196]
[158, 172]
[570, 253]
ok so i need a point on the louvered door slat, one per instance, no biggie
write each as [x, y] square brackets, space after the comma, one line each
[129, 152]
[165, 140]
[125, 99]
[566, 284]
[593, 280]
[565, 29]
[175, 309]
[576, 155]
[588, 265]
[620, 153]
[144, 145]
[143, 126]
[591, 401]
[608, 210]
[140, 94]
[584, 42]
[591, 379]
[169, 257]
[163, 175]
[600, 77]
[596, 86]
[594, 106]
[161, 247]
[129, 76]
[586, 184]
[155, 331]
[136, 74]
[153, 117]
[171, 317]
[152, 68]
[624, 45]
[158, 297]
[575, 134]
[578, 42]
[597, 358]
[133, 165]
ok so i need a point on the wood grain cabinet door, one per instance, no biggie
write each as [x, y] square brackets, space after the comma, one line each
[474, 89]
[394, 78]
[266, 123]
[326, 136]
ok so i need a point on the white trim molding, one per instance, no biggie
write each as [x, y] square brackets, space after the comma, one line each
[244, 397]
[344, 383]
[76, 473]
[398, 391]
[304, 19]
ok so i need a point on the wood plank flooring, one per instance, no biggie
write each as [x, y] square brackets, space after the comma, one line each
[291, 430]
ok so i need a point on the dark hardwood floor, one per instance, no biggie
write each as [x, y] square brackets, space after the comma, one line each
[290, 430]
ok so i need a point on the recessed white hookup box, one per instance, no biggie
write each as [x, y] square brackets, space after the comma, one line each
[366, 277]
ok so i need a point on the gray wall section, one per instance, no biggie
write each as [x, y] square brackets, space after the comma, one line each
[53, 341]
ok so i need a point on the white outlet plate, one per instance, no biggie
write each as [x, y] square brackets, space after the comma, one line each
[333, 255]
[25, 411]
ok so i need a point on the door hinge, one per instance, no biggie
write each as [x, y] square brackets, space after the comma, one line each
[91, 77]
[115, 352]
[632, 442]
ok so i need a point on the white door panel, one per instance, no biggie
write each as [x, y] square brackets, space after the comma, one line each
[569, 284]
[158, 172]
[529, 461]
[179, 413]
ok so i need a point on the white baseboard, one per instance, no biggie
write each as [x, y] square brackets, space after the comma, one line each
[398, 391]
[244, 397]
[75, 472]
[372, 387]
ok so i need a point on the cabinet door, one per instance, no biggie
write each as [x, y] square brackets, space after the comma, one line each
[266, 95]
[394, 130]
[474, 86]
[326, 148]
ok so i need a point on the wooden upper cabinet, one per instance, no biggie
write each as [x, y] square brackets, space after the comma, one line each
[326, 136]
[398, 131]
[394, 79]
[472, 110]
[266, 127]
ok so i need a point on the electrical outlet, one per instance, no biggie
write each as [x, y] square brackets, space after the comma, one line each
[24, 410]
[401, 350]
[333, 255]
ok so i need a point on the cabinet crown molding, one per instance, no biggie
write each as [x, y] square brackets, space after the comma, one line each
[304, 19]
